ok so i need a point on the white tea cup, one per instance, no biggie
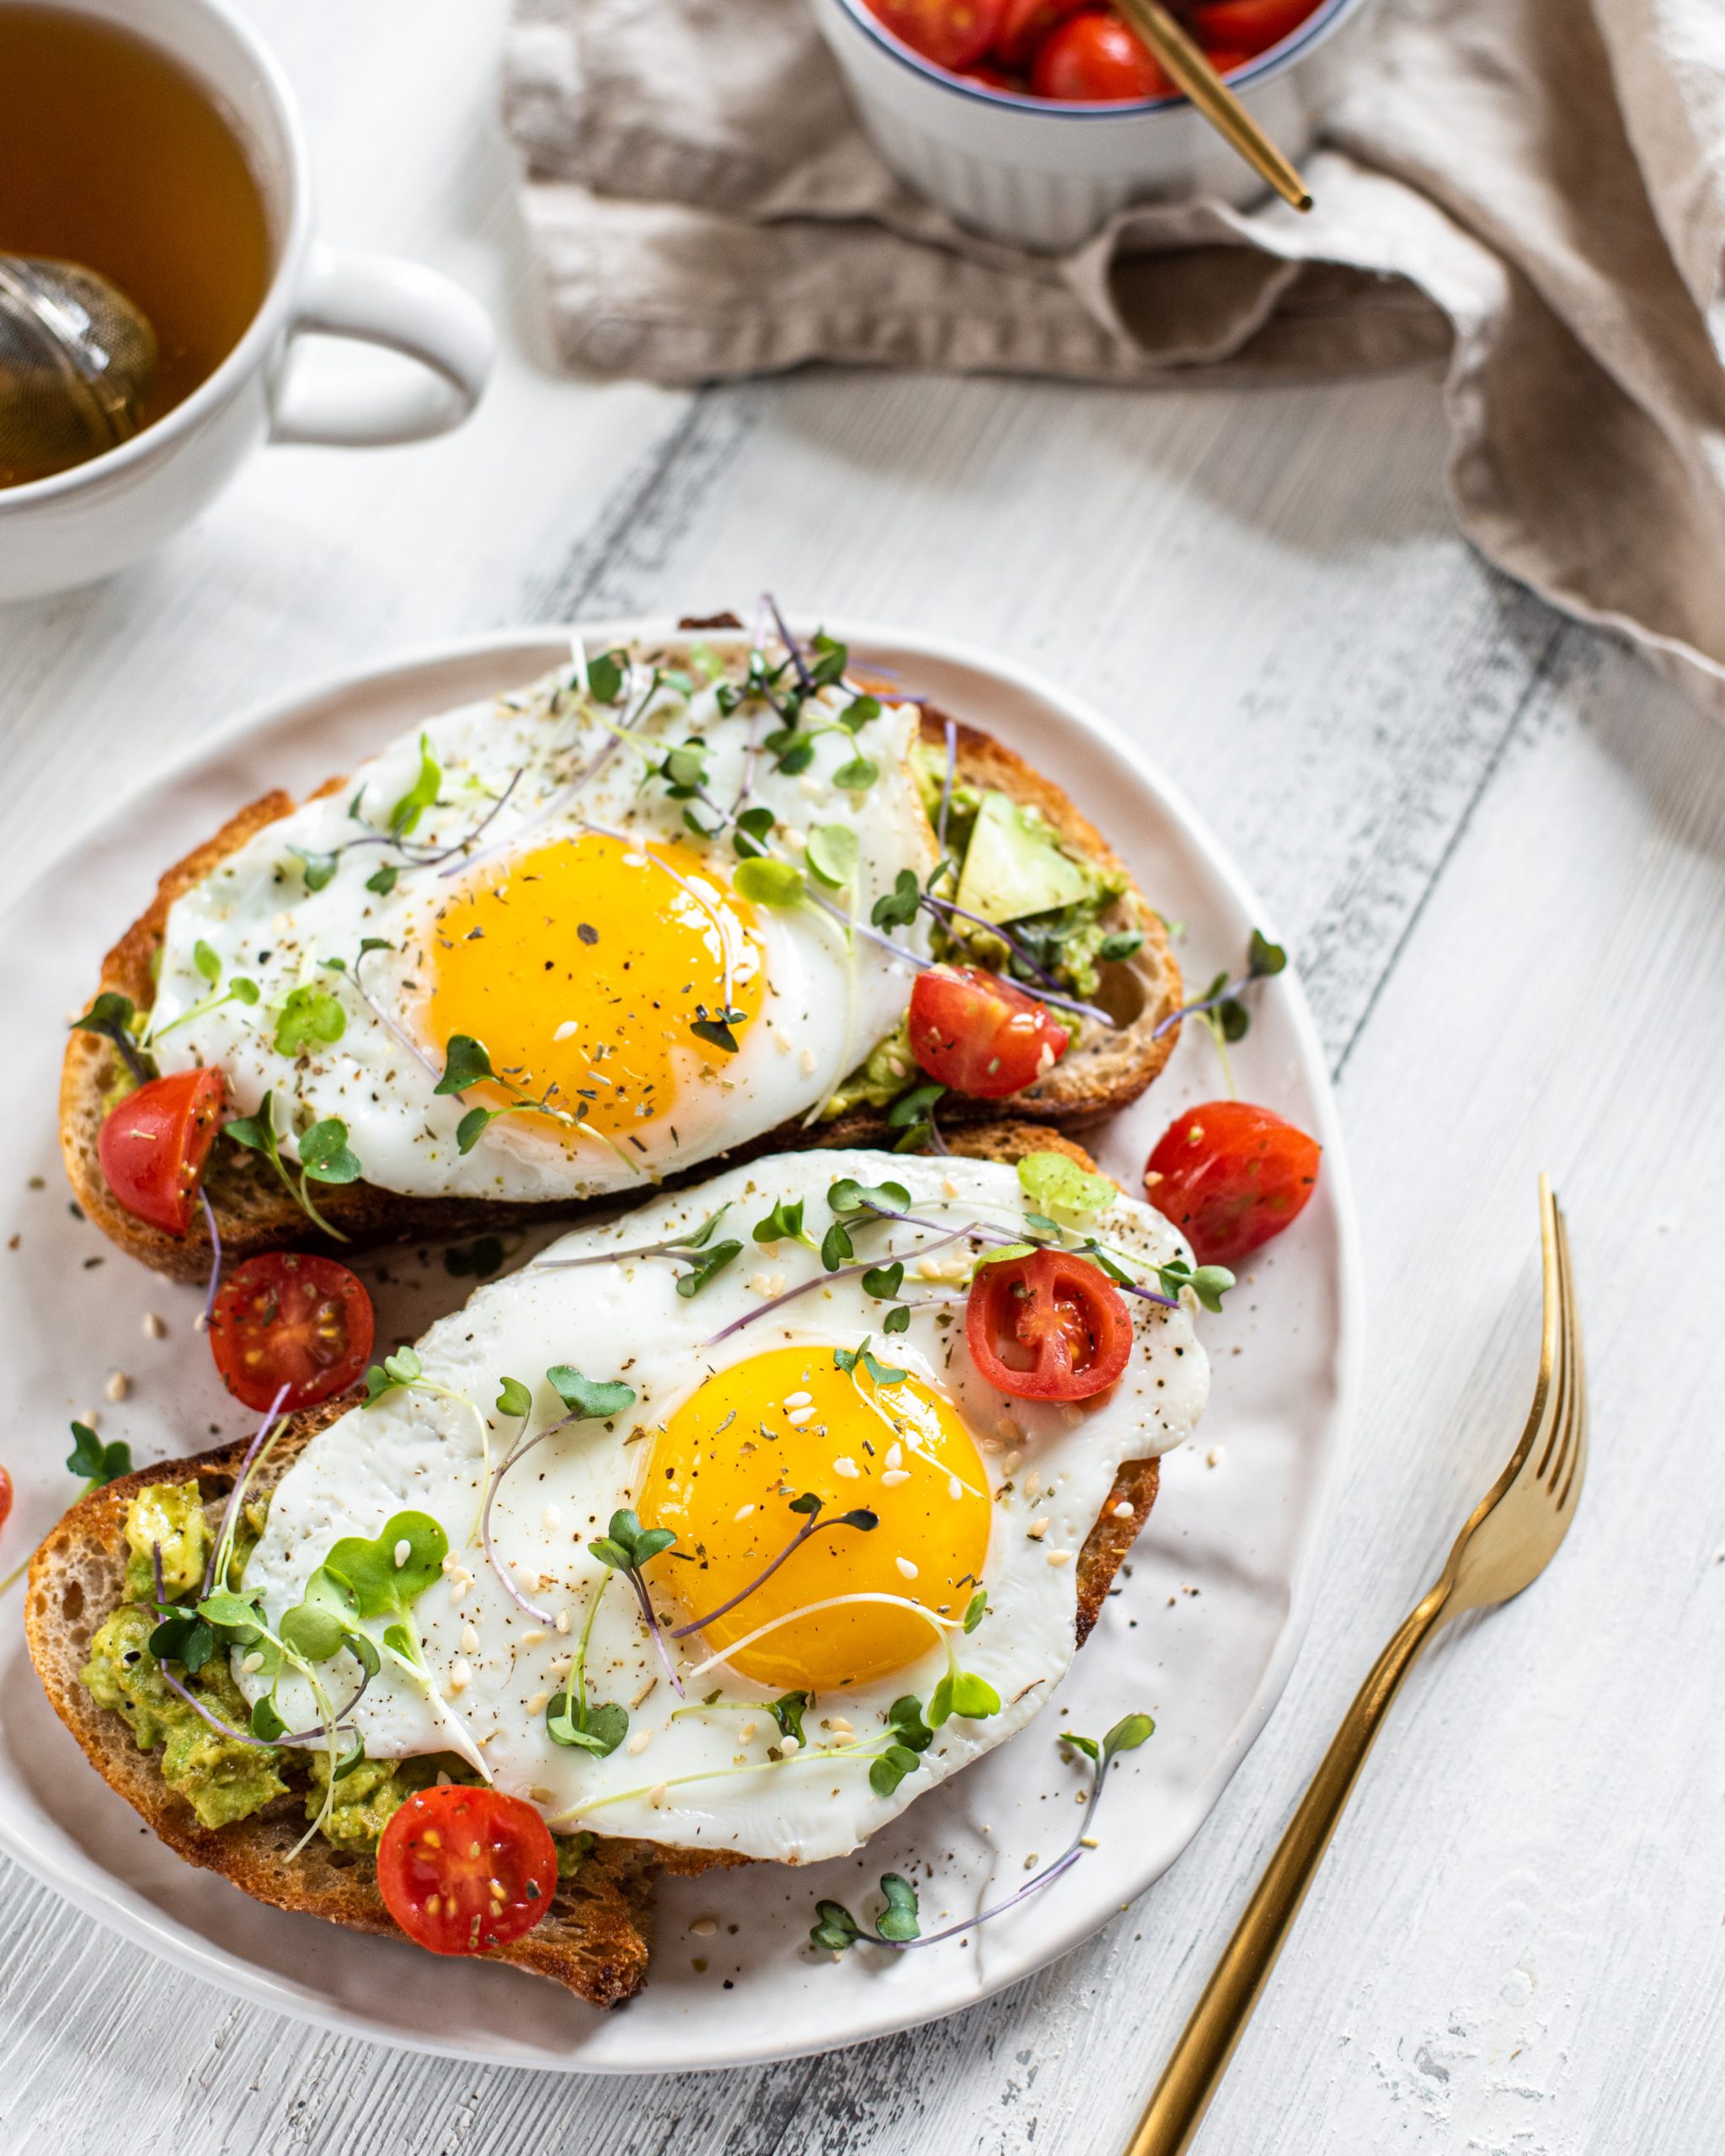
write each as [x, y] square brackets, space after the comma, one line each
[87, 522]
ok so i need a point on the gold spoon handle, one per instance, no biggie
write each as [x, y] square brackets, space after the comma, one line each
[1201, 2057]
[1186, 61]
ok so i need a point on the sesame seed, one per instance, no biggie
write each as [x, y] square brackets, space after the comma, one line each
[1037, 1530]
[562, 1620]
[534, 1638]
[461, 1674]
[906, 1566]
[1032, 1484]
[799, 1399]
[896, 1455]
[252, 1663]
[747, 1731]
[847, 1467]
[569, 1026]
[798, 1416]
[1213, 1458]
[552, 1516]
[1122, 1510]
[118, 1386]
[470, 1640]
[154, 1329]
[788, 1745]
[955, 1488]
[640, 1742]
[1059, 1556]
[704, 1927]
[1011, 1463]
[894, 1475]
[742, 1511]
[403, 1551]
[538, 1703]
[839, 1726]
[658, 1796]
[948, 1188]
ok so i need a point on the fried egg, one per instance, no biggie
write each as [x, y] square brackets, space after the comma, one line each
[527, 874]
[770, 1385]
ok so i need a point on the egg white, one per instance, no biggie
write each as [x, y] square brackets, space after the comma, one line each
[676, 1780]
[825, 1006]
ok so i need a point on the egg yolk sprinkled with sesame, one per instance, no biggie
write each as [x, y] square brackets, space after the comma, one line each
[723, 1473]
[585, 968]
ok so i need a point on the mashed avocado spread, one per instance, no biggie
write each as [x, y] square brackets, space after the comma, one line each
[222, 1779]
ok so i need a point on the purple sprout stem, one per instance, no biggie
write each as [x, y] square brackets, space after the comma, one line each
[131, 1055]
[397, 1033]
[997, 1236]
[841, 1273]
[209, 1309]
[315, 1735]
[1051, 992]
[519, 1450]
[239, 1483]
[1225, 994]
[555, 807]
[651, 1621]
[161, 1583]
[789, 642]
[796, 1542]
[674, 1246]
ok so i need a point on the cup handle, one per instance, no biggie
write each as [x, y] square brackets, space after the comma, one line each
[376, 299]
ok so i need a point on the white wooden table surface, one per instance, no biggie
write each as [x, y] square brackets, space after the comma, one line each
[1494, 841]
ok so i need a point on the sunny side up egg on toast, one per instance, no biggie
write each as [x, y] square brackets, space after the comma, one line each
[672, 906]
[693, 1557]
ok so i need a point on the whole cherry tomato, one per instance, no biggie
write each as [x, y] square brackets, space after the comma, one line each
[1231, 1175]
[1024, 24]
[5, 1496]
[153, 1144]
[981, 1034]
[291, 1319]
[1247, 27]
[951, 33]
[1048, 1326]
[1094, 59]
[462, 1869]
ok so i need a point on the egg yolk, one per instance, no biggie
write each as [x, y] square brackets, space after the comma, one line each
[723, 1473]
[585, 967]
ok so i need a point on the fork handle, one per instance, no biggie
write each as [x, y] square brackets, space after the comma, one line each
[1201, 2057]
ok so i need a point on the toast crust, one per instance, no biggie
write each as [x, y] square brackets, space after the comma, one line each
[597, 1937]
[253, 1213]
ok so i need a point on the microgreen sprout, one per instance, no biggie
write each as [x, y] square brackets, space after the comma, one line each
[911, 1737]
[309, 1017]
[846, 1359]
[627, 1548]
[96, 1464]
[1220, 1007]
[912, 1114]
[586, 1399]
[239, 989]
[325, 1157]
[899, 907]
[860, 1519]
[898, 1925]
[694, 1248]
[570, 1719]
[114, 1017]
[466, 1063]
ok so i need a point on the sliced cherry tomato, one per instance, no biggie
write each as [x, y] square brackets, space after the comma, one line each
[952, 32]
[462, 1869]
[1024, 24]
[289, 1319]
[5, 1496]
[1094, 59]
[1246, 26]
[153, 1146]
[1048, 1326]
[980, 1034]
[1231, 1175]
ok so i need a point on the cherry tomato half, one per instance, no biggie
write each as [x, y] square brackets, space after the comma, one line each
[1024, 24]
[289, 1319]
[1247, 27]
[1231, 1175]
[951, 33]
[461, 1869]
[5, 1496]
[980, 1034]
[154, 1143]
[1048, 1326]
[1094, 59]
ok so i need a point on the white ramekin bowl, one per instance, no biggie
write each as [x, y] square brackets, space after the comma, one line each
[1047, 175]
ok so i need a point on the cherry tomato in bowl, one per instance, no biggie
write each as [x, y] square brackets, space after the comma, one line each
[1024, 24]
[1245, 27]
[981, 1034]
[1230, 1175]
[153, 1144]
[5, 1496]
[462, 1869]
[1047, 1326]
[291, 1319]
[1094, 59]
[951, 33]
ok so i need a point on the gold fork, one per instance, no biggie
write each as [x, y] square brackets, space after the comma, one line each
[1510, 1537]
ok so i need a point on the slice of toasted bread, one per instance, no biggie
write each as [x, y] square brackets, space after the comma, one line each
[1104, 1073]
[597, 1936]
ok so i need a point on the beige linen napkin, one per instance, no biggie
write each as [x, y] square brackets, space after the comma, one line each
[1536, 187]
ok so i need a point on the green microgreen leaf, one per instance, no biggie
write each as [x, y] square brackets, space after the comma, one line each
[98, 1463]
[905, 1720]
[769, 882]
[784, 1224]
[1209, 1283]
[899, 907]
[310, 1017]
[387, 1574]
[514, 1399]
[837, 1248]
[856, 775]
[913, 1106]
[1263, 957]
[403, 1368]
[599, 1727]
[898, 1919]
[848, 1196]
[1061, 1188]
[589, 1400]
[835, 1928]
[475, 1261]
[383, 881]
[466, 1062]
[711, 1263]
[884, 1280]
[788, 1711]
[206, 962]
[716, 1029]
[419, 796]
[976, 1609]
[184, 1638]
[606, 676]
[627, 1546]
[317, 868]
[890, 1768]
[1123, 943]
[834, 853]
[325, 1155]
[897, 1320]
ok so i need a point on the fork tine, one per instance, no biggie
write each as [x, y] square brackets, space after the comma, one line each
[1553, 1467]
[1551, 1323]
[1577, 1385]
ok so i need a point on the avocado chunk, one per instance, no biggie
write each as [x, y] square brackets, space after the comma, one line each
[1014, 866]
[222, 1779]
[169, 1517]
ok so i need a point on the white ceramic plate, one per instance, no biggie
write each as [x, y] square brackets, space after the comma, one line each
[1202, 1631]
